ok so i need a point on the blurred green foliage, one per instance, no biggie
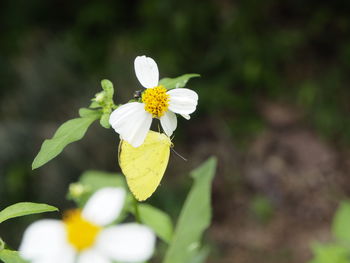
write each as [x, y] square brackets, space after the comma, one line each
[262, 208]
[337, 251]
[330, 253]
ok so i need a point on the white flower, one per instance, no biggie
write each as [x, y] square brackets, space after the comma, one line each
[133, 120]
[83, 238]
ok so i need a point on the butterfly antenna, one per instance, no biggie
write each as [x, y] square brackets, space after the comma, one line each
[179, 155]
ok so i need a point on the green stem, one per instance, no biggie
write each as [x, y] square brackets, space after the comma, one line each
[137, 212]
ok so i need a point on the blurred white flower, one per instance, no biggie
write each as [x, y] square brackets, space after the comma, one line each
[83, 237]
[133, 120]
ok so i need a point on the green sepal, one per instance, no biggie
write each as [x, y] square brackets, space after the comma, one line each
[104, 121]
[104, 100]
[107, 86]
[94, 105]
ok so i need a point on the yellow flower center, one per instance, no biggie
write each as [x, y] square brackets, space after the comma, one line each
[156, 101]
[80, 233]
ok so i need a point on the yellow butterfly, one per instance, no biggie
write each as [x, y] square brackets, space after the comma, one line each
[145, 165]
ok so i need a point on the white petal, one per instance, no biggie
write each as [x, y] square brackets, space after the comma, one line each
[146, 70]
[92, 256]
[186, 116]
[182, 101]
[123, 112]
[46, 241]
[127, 242]
[59, 258]
[168, 122]
[104, 206]
[132, 122]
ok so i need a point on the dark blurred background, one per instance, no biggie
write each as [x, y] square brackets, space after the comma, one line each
[274, 108]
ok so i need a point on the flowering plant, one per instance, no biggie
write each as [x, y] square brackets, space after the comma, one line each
[87, 236]
[90, 233]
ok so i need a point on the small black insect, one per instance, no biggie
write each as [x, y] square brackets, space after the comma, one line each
[137, 94]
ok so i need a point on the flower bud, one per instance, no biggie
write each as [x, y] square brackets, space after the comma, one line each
[76, 190]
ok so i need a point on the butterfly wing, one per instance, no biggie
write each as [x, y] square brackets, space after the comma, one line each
[145, 165]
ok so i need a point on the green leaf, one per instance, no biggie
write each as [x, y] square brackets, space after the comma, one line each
[179, 82]
[156, 219]
[85, 112]
[24, 208]
[70, 131]
[8, 256]
[341, 226]
[195, 216]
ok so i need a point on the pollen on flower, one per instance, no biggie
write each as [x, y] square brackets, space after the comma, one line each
[156, 101]
[81, 234]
